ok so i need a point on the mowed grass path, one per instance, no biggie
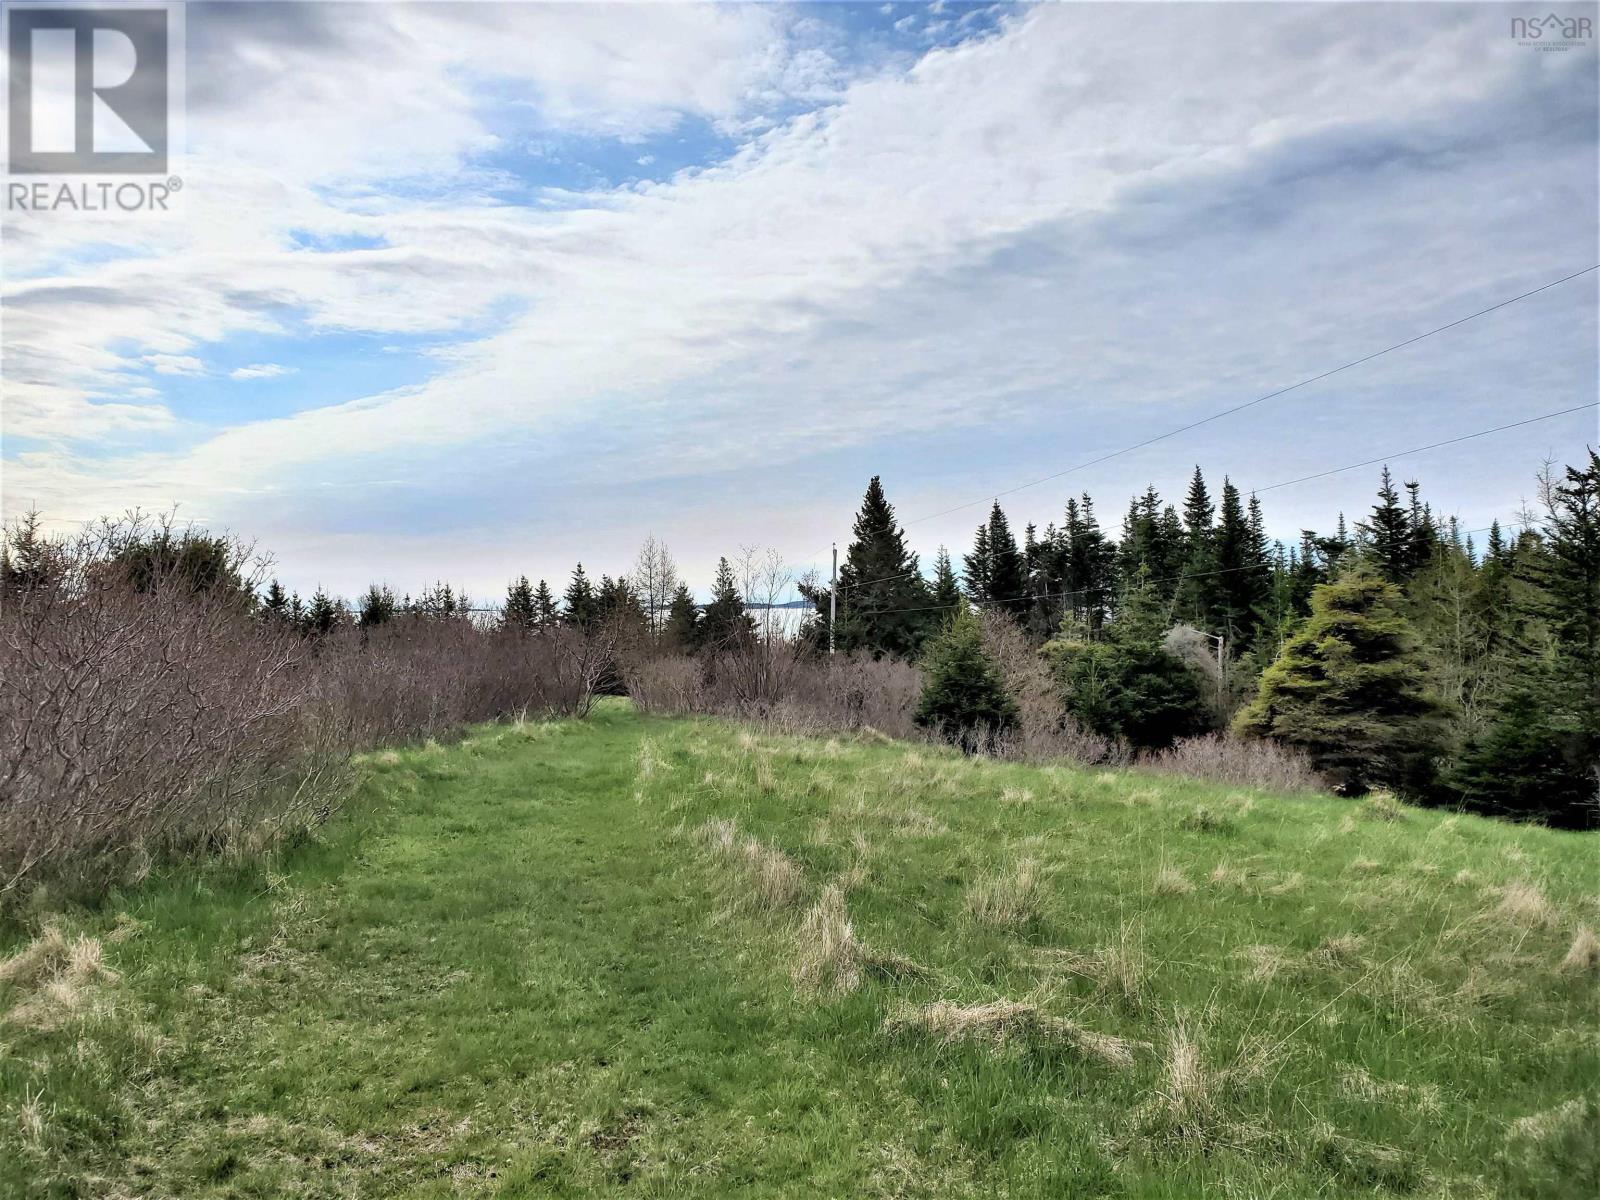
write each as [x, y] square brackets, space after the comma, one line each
[680, 958]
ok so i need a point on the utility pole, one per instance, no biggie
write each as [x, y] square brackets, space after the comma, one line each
[1222, 665]
[833, 598]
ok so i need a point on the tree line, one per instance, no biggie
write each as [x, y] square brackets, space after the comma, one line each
[1399, 652]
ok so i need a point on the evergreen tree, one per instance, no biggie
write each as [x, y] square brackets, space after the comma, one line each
[1388, 533]
[1007, 576]
[1129, 686]
[1350, 689]
[1088, 565]
[1243, 580]
[275, 604]
[1423, 533]
[192, 560]
[377, 607]
[945, 597]
[1144, 544]
[1194, 592]
[1572, 530]
[681, 631]
[725, 625]
[618, 606]
[976, 566]
[438, 602]
[521, 612]
[1523, 767]
[323, 616]
[27, 558]
[545, 612]
[963, 699]
[579, 608]
[883, 599]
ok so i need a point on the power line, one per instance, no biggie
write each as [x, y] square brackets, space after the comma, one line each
[1047, 594]
[1287, 483]
[1466, 437]
[1271, 487]
[1216, 416]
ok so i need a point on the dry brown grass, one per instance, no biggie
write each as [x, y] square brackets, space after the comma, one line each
[1553, 1122]
[767, 877]
[1583, 956]
[1170, 881]
[1336, 953]
[1007, 898]
[1001, 1022]
[1181, 1112]
[830, 958]
[1381, 806]
[1422, 1098]
[1522, 903]
[54, 978]
[766, 781]
[1265, 962]
[648, 762]
[42, 957]
[1291, 882]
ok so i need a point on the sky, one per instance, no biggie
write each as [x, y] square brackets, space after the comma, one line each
[470, 291]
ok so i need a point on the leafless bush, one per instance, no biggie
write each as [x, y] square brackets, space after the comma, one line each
[844, 693]
[147, 711]
[1241, 762]
[1044, 729]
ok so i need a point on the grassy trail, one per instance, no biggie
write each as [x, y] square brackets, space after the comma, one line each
[534, 964]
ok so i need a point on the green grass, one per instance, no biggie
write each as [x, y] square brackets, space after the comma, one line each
[522, 966]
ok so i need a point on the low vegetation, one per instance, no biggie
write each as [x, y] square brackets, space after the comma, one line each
[685, 956]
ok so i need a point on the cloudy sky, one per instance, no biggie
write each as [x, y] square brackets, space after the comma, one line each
[469, 290]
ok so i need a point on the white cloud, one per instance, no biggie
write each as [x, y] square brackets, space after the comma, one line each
[842, 278]
[174, 364]
[261, 371]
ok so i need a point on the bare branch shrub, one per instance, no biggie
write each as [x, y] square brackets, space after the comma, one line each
[1242, 762]
[147, 711]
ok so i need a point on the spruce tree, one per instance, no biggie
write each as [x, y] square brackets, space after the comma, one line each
[1424, 534]
[946, 594]
[1089, 565]
[579, 608]
[520, 612]
[725, 625]
[275, 604]
[976, 564]
[1007, 574]
[29, 558]
[377, 607]
[1350, 690]
[1388, 533]
[963, 699]
[680, 633]
[1195, 590]
[883, 599]
[1129, 686]
[1241, 585]
[617, 605]
[323, 616]
[1572, 530]
[545, 612]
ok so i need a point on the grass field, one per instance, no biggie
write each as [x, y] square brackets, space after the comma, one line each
[682, 958]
